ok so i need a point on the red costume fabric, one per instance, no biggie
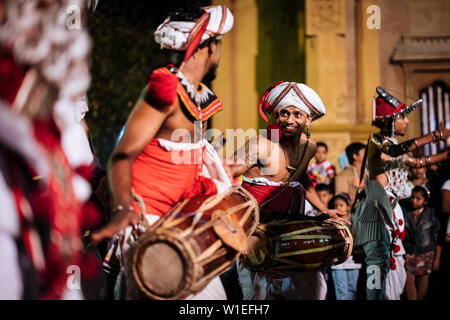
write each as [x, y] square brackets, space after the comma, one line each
[385, 109]
[64, 213]
[163, 84]
[49, 202]
[264, 192]
[165, 177]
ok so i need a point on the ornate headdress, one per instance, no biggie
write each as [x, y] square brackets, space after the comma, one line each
[386, 107]
[285, 94]
[185, 36]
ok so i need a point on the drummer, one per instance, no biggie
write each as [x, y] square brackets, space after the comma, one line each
[149, 158]
[274, 172]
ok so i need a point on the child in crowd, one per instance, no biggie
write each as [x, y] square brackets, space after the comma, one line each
[345, 275]
[422, 228]
[325, 193]
[416, 177]
[322, 171]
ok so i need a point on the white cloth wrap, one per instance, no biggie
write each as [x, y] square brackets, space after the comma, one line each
[174, 35]
[396, 279]
[212, 168]
[398, 216]
[10, 273]
[347, 264]
[307, 285]
[261, 181]
[68, 116]
[16, 133]
[292, 99]
[446, 186]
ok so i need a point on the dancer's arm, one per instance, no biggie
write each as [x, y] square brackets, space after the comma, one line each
[426, 161]
[142, 125]
[395, 150]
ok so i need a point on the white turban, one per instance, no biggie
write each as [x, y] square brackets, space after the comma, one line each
[298, 95]
[174, 35]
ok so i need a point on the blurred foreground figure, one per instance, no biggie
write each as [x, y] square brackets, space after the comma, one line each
[43, 72]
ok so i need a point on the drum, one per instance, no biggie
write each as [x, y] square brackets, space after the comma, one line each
[298, 245]
[194, 242]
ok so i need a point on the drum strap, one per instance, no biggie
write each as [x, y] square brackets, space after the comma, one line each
[294, 177]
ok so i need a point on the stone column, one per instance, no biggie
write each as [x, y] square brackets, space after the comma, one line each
[330, 70]
[235, 83]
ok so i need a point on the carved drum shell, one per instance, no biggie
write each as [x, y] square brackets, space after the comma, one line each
[184, 250]
[289, 246]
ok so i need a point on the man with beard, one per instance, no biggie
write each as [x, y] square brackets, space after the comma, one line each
[274, 172]
[378, 222]
[160, 156]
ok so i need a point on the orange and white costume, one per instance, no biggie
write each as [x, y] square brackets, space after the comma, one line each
[167, 172]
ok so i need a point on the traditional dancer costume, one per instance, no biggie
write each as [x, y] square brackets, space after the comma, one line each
[275, 197]
[40, 228]
[378, 219]
[180, 165]
[167, 172]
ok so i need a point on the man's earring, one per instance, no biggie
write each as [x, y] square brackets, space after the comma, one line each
[308, 132]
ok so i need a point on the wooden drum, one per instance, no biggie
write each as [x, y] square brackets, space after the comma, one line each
[299, 245]
[194, 242]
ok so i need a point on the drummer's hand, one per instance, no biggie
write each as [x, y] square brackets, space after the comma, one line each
[120, 220]
[335, 215]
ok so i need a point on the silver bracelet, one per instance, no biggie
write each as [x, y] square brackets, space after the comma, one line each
[120, 207]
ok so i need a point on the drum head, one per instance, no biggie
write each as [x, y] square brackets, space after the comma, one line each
[161, 269]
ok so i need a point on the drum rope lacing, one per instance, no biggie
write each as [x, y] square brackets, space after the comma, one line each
[218, 218]
[208, 204]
